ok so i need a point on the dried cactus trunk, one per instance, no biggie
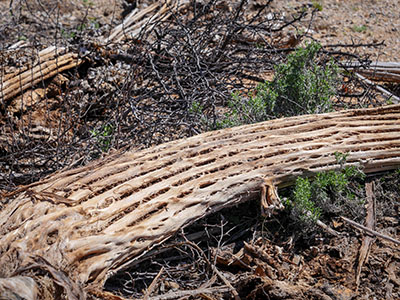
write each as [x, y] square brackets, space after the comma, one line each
[92, 221]
[49, 62]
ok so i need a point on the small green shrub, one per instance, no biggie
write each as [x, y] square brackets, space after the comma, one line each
[317, 5]
[359, 29]
[328, 193]
[196, 108]
[302, 205]
[103, 136]
[300, 86]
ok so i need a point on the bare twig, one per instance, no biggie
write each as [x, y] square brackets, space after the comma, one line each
[370, 223]
[153, 284]
[227, 283]
[370, 231]
[385, 92]
[327, 228]
[180, 294]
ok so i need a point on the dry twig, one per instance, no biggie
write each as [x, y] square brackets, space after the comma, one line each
[370, 223]
[153, 284]
[388, 95]
[370, 231]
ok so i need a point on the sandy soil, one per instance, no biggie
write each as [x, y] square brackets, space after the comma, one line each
[355, 21]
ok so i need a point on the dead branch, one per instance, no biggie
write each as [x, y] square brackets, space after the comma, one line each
[153, 284]
[370, 231]
[121, 208]
[327, 228]
[139, 20]
[370, 223]
[227, 283]
[50, 62]
[388, 95]
[181, 294]
[377, 71]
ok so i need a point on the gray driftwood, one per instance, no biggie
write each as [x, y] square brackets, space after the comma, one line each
[379, 71]
[93, 221]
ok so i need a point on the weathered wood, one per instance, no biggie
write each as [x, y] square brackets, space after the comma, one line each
[378, 71]
[370, 222]
[380, 76]
[393, 67]
[49, 62]
[92, 221]
[53, 60]
[385, 93]
[139, 20]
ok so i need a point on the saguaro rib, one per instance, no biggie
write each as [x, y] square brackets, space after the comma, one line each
[91, 221]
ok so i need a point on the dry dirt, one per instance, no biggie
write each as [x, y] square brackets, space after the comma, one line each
[356, 21]
[339, 21]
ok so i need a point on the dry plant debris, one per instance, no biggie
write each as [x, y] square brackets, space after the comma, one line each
[115, 83]
[136, 84]
[98, 219]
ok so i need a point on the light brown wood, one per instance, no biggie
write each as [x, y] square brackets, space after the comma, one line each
[53, 60]
[140, 20]
[92, 221]
[370, 222]
[49, 62]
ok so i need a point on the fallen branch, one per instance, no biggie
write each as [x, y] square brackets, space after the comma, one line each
[227, 283]
[388, 95]
[50, 62]
[327, 228]
[184, 294]
[370, 231]
[380, 76]
[92, 221]
[370, 223]
[377, 71]
[389, 67]
[153, 284]
[138, 20]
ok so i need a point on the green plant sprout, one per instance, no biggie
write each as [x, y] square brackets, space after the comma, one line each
[360, 29]
[196, 108]
[317, 5]
[103, 136]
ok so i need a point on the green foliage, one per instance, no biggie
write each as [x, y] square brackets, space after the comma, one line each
[67, 34]
[86, 27]
[328, 193]
[362, 28]
[300, 86]
[341, 157]
[302, 203]
[196, 108]
[87, 3]
[103, 136]
[317, 5]
[93, 23]
[81, 27]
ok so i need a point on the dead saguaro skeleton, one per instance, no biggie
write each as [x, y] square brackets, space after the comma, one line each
[49, 62]
[93, 221]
